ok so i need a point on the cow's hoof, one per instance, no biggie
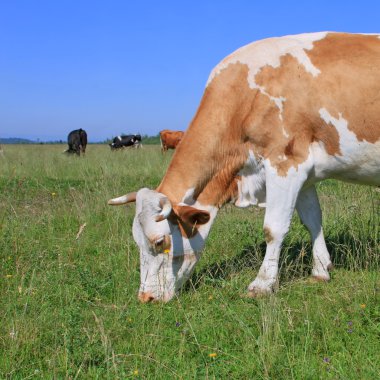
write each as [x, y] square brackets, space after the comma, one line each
[330, 267]
[322, 274]
[319, 278]
[259, 292]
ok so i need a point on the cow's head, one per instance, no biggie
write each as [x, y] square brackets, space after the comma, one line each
[170, 238]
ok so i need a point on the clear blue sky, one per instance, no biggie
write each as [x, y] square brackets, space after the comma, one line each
[135, 66]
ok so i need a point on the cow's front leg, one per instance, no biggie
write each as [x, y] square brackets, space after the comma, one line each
[309, 210]
[282, 193]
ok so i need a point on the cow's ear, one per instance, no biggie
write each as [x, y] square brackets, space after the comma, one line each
[191, 215]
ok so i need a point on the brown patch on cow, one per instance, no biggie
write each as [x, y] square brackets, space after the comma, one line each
[301, 119]
[233, 118]
[223, 186]
[268, 235]
[289, 148]
[348, 84]
[350, 65]
[232, 192]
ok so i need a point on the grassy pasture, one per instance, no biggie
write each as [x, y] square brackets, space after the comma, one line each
[69, 307]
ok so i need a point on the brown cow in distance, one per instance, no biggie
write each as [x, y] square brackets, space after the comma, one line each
[170, 139]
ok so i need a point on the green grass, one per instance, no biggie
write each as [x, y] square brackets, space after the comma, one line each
[69, 307]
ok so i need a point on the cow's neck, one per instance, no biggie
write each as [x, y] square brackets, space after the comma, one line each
[209, 180]
[213, 149]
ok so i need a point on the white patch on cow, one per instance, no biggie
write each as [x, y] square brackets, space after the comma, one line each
[251, 186]
[340, 125]
[119, 138]
[188, 197]
[359, 161]
[370, 34]
[268, 53]
[278, 102]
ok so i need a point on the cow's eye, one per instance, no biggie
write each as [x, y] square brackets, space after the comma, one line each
[162, 245]
[159, 242]
[158, 245]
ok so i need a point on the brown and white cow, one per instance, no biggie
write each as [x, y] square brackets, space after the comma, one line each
[170, 139]
[283, 114]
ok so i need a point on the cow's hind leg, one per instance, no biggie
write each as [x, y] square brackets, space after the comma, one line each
[76, 149]
[282, 193]
[309, 210]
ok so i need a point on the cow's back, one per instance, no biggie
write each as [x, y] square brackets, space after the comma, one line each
[295, 94]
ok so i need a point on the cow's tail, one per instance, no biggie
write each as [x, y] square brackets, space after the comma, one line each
[162, 144]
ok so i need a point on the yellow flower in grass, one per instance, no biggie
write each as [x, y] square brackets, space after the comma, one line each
[53, 194]
[213, 355]
[362, 306]
[136, 372]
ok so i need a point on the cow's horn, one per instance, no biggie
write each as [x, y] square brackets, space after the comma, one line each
[166, 209]
[130, 197]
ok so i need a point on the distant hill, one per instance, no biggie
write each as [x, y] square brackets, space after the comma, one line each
[16, 140]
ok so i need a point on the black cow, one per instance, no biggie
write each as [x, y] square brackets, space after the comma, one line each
[77, 141]
[126, 141]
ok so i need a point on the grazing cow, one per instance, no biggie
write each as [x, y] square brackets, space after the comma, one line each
[283, 114]
[170, 139]
[77, 141]
[126, 141]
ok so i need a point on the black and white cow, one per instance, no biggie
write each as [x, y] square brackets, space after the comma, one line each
[77, 141]
[126, 141]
